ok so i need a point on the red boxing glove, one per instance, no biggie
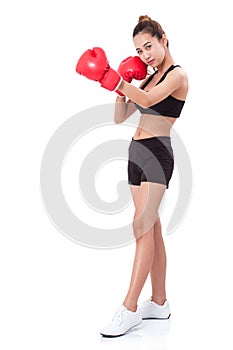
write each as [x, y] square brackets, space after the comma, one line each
[93, 64]
[132, 68]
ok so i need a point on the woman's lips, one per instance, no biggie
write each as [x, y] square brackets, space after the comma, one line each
[150, 62]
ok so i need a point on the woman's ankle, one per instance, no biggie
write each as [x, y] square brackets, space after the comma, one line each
[159, 300]
[130, 306]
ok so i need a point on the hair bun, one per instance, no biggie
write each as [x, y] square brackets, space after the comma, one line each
[144, 18]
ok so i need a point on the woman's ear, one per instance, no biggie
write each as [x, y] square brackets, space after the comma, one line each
[164, 40]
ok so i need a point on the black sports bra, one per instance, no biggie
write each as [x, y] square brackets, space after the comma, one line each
[170, 106]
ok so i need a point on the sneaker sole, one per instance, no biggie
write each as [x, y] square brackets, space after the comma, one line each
[156, 318]
[119, 335]
[111, 336]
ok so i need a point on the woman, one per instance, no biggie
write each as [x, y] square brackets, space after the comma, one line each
[160, 100]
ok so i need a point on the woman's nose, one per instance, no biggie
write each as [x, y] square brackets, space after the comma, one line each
[146, 55]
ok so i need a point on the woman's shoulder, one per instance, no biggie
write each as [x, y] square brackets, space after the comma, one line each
[179, 71]
[179, 77]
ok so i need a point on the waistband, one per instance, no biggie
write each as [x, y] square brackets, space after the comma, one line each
[154, 138]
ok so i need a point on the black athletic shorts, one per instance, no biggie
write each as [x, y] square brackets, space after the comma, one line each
[150, 159]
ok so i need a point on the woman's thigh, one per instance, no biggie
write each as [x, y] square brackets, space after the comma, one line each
[147, 198]
[135, 190]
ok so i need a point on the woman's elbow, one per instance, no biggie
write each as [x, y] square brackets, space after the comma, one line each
[117, 120]
[145, 102]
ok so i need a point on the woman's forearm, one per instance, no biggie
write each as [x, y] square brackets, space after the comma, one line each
[120, 109]
[123, 110]
[134, 94]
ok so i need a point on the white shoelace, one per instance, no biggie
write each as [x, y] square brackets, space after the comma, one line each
[120, 315]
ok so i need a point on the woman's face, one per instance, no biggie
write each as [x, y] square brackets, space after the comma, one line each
[150, 49]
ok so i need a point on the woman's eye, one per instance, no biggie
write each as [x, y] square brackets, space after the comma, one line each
[148, 47]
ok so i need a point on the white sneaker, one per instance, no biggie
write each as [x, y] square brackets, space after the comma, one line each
[151, 310]
[122, 321]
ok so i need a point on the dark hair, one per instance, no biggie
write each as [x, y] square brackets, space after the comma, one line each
[147, 25]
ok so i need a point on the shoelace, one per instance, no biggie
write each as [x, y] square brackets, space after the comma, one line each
[119, 316]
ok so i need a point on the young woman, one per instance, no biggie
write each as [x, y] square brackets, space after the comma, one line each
[160, 100]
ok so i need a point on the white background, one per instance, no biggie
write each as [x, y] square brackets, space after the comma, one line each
[56, 294]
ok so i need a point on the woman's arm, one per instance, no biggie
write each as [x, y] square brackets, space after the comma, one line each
[158, 93]
[123, 109]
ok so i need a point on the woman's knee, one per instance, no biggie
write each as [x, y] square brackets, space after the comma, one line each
[143, 225]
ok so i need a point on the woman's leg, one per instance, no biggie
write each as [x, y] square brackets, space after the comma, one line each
[147, 198]
[158, 268]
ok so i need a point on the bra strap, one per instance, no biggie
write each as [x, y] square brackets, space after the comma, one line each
[162, 78]
[148, 80]
[167, 71]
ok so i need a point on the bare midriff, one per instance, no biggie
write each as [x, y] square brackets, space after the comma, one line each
[153, 125]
